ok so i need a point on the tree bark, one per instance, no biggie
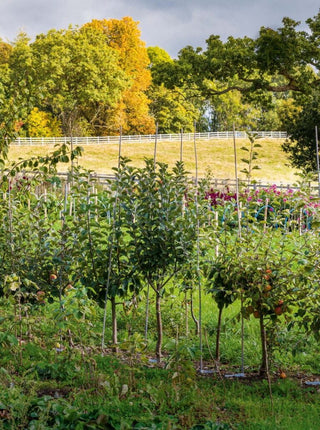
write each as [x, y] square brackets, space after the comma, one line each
[114, 324]
[264, 353]
[159, 327]
[186, 313]
[193, 316]
[217, 356]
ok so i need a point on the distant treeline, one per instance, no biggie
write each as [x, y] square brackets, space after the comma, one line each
[94, 79]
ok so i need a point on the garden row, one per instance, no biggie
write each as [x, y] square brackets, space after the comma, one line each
[151, 238]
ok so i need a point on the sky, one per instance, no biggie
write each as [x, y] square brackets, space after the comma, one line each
[169, 24]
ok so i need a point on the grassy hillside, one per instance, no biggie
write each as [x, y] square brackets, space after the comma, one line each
[214, 155]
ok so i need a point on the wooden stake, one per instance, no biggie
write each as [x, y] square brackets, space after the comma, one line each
[155, 147]
[318, 163]
[236, 178]
[265, 215]
[217, 226]
[181, 145]
[45, 204]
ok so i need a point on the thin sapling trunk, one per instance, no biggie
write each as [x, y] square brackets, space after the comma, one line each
[264, 353]
[217, 356]
[114, 324]
[159, 326]
[193, 315]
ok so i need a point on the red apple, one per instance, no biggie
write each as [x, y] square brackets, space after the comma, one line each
[278, 310]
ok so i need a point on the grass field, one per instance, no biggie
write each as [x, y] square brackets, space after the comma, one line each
[215, 155]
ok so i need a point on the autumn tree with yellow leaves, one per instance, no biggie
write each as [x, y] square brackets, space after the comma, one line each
[132, 110]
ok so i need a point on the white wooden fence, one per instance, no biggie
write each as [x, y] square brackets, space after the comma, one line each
[97, 140]
[104, 179]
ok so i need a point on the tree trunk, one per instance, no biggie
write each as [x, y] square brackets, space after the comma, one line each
[114, 324]
[217, 357]
[264, 356]
[186, 313]
[147, 314]
[159, 326]
[193, 316]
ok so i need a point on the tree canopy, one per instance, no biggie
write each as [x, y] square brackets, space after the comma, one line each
[90, 79]
[94, 79]
[132, 109]
[286, 59]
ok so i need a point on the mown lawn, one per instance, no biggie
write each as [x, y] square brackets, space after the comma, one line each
[216, 156]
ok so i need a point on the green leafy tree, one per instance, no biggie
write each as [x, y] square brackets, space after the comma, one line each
[222, 290]
[104, 253]
[78, 74]
[277, 61]
[275, 65]
[162, 234]
[14, 91]
[252, 156]
[270, 274]
[171, 110]
[301, 142]
[158, 55]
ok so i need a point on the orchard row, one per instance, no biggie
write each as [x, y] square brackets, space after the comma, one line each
[152, 233]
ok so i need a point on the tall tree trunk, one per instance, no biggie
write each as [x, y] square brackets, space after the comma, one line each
[114, 324]
[217, 356]
[159, 326]
[264, 356]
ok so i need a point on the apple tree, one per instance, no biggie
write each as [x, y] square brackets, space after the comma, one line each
[162, 229]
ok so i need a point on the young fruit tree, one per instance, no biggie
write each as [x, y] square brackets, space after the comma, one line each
[162, 229]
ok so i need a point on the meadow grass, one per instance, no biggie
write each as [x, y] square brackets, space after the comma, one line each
[216, 156]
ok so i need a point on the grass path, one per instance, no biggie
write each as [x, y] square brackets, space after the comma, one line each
[214, 155]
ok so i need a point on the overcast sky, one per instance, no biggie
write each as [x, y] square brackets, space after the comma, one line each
[169, 24]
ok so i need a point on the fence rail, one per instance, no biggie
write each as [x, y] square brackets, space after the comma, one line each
[97, 140]
[104, 179]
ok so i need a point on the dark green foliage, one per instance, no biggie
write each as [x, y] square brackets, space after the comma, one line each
[301, 145]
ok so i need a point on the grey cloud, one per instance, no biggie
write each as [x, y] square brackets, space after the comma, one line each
[170, 24]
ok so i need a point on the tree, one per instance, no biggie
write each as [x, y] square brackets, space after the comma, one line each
[279, 60]
[14, 90]
[78, 73]
[105, 250]
[162, 234]
[42, 124]
[132, 110]
[222, 290]
[301, 142]
[158, 55]
[5, 52]
[172, 109]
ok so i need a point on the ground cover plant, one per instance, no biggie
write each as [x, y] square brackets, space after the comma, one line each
[104, 293]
